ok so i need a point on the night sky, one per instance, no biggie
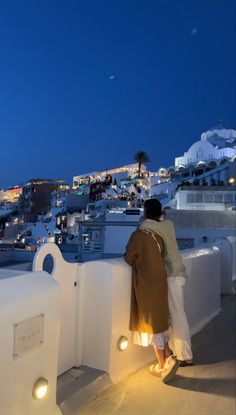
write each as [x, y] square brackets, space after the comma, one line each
[86, 84]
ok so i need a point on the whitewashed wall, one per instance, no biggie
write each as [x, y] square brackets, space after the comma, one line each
[106, 288]
[227, 246]
[106, 291]
[202, 292]
[94, 305]
[24, 297]
[92, 323]
[117, 237]
[65, 274]
[200, 233]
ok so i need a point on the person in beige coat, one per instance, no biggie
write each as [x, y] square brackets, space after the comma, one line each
[149, 300]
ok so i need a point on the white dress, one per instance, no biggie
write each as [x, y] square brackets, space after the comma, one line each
[145, 339]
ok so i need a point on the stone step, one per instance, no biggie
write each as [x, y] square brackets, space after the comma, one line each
[78, 386]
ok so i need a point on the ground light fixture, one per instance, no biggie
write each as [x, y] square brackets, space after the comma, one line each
[40, 388]
[123, 343]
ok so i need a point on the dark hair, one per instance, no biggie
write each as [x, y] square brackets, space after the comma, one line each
[152, 209]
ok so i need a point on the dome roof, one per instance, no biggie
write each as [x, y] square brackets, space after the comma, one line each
[200, 144]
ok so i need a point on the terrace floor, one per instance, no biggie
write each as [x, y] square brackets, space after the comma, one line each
[207, 388]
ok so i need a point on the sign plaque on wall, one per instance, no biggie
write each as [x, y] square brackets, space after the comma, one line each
[28, 335]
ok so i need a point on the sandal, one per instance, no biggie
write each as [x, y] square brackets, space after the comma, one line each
[184, 363]
[155, 370]
[170, 370]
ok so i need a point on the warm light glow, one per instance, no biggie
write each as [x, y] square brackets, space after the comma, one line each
[40, 388]
[123, 343]
[231, 180]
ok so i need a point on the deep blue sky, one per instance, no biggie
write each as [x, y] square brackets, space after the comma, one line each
[86, 84]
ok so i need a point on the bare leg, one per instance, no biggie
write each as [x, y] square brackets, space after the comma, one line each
[160, 355]
[168, 365]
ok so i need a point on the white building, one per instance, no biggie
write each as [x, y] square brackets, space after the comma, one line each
[217, 144]
[117, 173]
[205, 198]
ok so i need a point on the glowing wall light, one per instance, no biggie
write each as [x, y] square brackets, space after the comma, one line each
[123, 343]
[40, 388]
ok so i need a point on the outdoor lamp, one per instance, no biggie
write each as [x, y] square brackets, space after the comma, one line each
[231, 180]
[40, 388]
[123, 343]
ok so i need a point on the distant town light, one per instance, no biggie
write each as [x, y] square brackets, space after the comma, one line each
[123, 343]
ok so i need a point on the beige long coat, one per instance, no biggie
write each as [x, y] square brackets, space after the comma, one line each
[149, 295]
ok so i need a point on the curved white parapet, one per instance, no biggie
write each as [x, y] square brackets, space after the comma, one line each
[106, 309]
[48, 249]
[65, 274]
[227, 246]
[95, 312]
[105, 318]
[29, 327]
[203, 286]
[93, 307]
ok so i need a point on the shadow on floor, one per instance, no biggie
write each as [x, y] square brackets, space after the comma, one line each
[214, 386]
[216, 342]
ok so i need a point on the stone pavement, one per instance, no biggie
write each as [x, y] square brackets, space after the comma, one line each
[208, 388]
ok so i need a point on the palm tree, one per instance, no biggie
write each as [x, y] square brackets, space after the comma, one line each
[141, 157]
